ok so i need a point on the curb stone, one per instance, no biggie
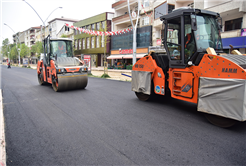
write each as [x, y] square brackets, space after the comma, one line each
[2, 134]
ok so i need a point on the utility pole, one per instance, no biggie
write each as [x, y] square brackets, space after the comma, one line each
[134, 30]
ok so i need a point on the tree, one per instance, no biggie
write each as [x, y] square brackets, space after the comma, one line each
[40, 48]
[24, 51]
[64, 36]
[106, 40]
[13, 52]
[5, 47]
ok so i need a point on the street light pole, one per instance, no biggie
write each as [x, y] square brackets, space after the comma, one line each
[43, 24]
[134, 32]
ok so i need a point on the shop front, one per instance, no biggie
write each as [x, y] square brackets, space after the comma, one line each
[121, 53]
[237, 42]
[123, 58]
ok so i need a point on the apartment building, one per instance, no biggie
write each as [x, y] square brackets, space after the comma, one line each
[91, 44]
[121, 45]
[66, 31]
[56, 24]
[21, 37]
[233, 13]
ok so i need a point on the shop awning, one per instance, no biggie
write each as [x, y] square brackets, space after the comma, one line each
[120, 56]
[131, 56]
[115, 57]
[236, 42]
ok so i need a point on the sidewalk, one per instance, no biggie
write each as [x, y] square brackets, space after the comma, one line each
[115, 74]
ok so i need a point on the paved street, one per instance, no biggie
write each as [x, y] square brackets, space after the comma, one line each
[105, 124]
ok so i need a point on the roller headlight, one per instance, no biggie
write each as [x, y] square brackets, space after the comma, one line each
[61, 70]
[83, 69]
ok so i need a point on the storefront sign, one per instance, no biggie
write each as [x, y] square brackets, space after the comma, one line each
[87, 60]
[243, 32]
[126, 51]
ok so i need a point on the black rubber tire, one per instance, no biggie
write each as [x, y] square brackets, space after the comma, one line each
[41, 79]
[142, 96]
[220, 121]
[54, 86]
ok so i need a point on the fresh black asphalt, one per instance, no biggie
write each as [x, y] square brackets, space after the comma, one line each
[105, 124]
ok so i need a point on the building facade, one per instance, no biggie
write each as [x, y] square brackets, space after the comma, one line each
[233, 13]
[56, 24]
[121, 45]
[66, 32]
[95, 46]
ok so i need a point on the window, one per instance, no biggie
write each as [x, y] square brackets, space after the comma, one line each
[75, 44]
[83, 43]
[233, 24]
[98, 26]
[66, 28]
[102, 43]
[170, 8]
[145, 20]
[103, 24]
[97, 40]
[92, 42]
[173, 42]
[88, 42]
[88, 27]
[79, 44]
[92, 26]
[145, 3]
[189, 40]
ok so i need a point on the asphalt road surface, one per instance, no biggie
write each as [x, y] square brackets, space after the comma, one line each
[105, 124]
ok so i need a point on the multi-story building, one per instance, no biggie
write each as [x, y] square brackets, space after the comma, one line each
[30, 36]
[21, 37]
[66, 31]
[93, 45]
[41, 34]
[233, 13]
[148, 28]
[56, 24]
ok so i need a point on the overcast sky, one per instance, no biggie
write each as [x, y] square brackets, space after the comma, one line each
[20, 16]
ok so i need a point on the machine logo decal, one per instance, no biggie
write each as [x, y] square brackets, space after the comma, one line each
[157, 89]
[229, 70]
[186, 88]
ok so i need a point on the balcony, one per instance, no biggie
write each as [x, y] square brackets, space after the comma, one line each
[118, 3]
[121, 17]
[233, 33]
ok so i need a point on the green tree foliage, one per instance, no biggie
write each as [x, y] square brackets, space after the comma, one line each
[64, 36]
[5, 47]
[40, 48]
[24, 51]
[13, 52]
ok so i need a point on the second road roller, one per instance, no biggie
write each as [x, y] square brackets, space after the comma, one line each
[59, 67]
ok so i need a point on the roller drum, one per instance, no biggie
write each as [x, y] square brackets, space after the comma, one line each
[70, 81]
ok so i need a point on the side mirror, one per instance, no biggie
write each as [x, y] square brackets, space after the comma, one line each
[219, 21]
[193, 22]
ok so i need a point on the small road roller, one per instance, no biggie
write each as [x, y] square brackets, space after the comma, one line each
[59, 67]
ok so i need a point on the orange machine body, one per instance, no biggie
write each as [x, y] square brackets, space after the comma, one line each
[184, 83]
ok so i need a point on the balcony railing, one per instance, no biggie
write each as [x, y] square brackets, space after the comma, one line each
[118, 3]
[121, 17]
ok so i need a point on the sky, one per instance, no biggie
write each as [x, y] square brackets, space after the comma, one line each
[20, 16]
